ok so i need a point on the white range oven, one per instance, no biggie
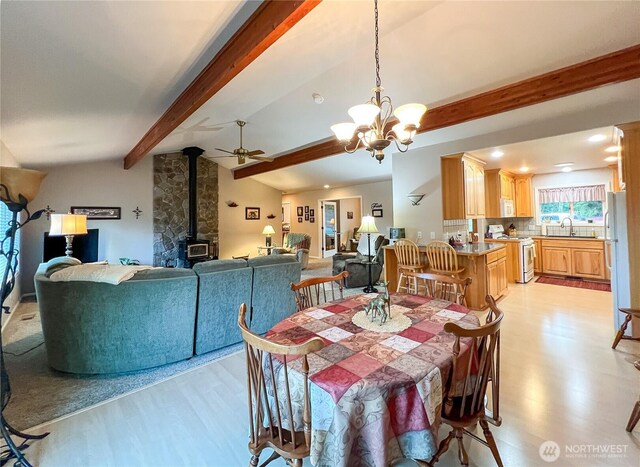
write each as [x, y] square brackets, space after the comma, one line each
[526, 251]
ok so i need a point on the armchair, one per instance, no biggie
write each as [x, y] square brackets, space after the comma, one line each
[357, 265]
[295, 244]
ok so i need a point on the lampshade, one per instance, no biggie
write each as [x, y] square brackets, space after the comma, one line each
[18, 181]
[368, 225]
[344, 131]
[410, 114]
[364, 114]
[402, 134]
[268, 230]
[68, 224]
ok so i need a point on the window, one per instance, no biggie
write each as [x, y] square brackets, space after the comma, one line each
[5, 218]
[580, 203]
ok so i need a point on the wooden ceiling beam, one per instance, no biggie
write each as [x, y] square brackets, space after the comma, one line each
[622, 65]
[267, 24]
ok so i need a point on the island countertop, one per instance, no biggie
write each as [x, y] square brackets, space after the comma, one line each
[470, 249]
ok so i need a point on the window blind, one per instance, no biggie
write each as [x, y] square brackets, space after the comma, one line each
[573, 194]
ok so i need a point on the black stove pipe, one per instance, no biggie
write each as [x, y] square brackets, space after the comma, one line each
[193, 153]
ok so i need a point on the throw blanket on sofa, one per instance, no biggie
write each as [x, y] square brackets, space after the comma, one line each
[107, 273]
[294, 239]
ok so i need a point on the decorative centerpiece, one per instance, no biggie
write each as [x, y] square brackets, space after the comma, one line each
[380, 307]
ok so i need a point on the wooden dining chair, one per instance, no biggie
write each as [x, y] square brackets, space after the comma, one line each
[635, 413]
[408, 256]
[630, 312]
[443, 259]
[313, 291]
[443, 287]
[472, 373]
[289, 440]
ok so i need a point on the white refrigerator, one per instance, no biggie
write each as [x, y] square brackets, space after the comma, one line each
[618, 259]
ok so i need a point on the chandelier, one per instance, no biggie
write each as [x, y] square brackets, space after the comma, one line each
[370, 120]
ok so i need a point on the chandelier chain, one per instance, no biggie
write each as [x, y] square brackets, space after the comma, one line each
[377, 52]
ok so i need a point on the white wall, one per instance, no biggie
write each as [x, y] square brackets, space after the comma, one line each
[96, 184]
[345, 225]
[378, 192]
[237, 235]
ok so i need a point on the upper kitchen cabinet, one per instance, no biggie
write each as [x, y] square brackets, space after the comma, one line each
[523, 196]
[500, 186]
[463, 190]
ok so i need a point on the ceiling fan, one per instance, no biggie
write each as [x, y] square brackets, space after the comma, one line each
[241, 153]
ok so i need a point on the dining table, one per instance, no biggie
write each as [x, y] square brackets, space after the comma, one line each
[376, 389]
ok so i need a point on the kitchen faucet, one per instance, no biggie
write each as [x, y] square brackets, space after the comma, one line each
[572, 232]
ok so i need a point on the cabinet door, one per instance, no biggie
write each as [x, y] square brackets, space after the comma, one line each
[479, 189]
[588, 263]
[492, 279]
[505, 187]
[470, 202]
[501, 272]
[537, 261]
[556, 260]
[523, 198]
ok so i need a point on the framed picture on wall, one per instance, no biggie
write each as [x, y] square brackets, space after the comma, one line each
[349, 214]
[299, 220]
[312, 219]
[299, 210]
[312, 213]
[96, 213]
[306, 209]
[306, 217]
[376, 212]
[252, 214]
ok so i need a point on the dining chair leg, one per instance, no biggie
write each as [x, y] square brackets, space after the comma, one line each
[443, 447]
[634, 418]
[254, 461]
[491, 442]
[272, 457]
[462, 453]
[621, 331]
[400, 282]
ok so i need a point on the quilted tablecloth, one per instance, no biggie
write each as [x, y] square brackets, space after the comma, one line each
[375, 397]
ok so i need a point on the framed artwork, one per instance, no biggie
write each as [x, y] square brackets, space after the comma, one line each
[252, 214]
[312, 219]
[306, 209]
[306, 217]
[300, 211]
[349, 214]
[299, 220]
[376, 212]
[97, 213]
[312, 213]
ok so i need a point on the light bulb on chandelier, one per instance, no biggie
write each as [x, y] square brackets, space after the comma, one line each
[372, 119]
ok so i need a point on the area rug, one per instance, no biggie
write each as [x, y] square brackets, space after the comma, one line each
[578, 283]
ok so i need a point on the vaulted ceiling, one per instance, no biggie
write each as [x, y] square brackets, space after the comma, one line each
[86, 81]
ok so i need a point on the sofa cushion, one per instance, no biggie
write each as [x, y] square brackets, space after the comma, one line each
[271, 259]
[59, 263]
[161, 273]
[217, 265]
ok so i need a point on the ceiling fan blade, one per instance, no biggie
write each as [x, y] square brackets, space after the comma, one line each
[261, 158]
[224, 150]
[257, 152]
[218, 157]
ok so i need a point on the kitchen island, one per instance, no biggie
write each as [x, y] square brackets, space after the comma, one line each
[484, 263]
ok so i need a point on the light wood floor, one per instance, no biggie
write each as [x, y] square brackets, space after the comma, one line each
[560, 381]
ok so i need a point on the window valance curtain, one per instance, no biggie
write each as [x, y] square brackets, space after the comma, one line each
[573, 194]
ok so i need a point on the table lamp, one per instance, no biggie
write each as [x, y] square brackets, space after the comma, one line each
[268, 231]
[18, 187]
[68, 225]
[368, 226]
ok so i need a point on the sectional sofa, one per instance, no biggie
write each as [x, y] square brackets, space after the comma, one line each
[160, 316]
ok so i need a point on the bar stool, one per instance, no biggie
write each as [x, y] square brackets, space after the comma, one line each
[408, 256]
[443, 259]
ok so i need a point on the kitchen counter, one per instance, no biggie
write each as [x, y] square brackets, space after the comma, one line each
[470, 249]
[557, 237]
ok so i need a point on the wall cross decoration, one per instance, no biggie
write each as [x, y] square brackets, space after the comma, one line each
[137, 212]
[48, 211]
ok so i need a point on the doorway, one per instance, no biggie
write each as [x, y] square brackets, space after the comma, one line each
[329, 240]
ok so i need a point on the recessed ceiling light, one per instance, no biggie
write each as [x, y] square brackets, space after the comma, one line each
[612, 149]
[597, 138]
[497, 154]
[564, 164]
[567, 169]
[611, 159]
[317, 98]
[524, 168]
[327, 186]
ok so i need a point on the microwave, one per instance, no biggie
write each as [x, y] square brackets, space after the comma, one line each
[506, 208]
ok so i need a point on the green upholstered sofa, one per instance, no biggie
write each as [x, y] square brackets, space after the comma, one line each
[160, 316]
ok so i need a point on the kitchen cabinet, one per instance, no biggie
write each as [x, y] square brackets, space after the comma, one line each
[499, 184]
[523, 196]
[556, 260]
[463, 191]
[588, 263]
[537, 261]
[513, 264]
[497, 277]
